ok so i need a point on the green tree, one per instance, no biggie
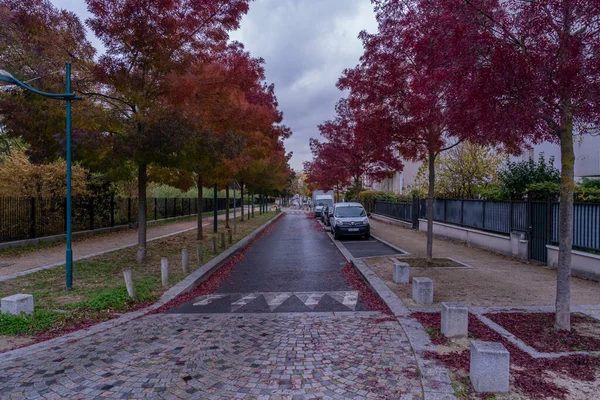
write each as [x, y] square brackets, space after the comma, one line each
[464, 171]
[517, 176]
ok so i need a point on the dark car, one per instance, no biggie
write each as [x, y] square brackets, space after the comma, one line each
[328, 215]
[324, 214]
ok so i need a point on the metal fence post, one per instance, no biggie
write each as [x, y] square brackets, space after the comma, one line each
[511, 216]
[112, 210]
[415, 213]
[129, 210]
[483, 216]
[91, 210]
[32, 232]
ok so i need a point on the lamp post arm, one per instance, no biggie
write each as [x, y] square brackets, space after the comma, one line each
[60, 96]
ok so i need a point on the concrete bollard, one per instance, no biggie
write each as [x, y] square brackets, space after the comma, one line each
[128, 275]
[17, 304]
[230, 238]
[184, 260]
[401, 272]
[214, 244]
[164, 271]
[455, 320]
[422, 290]
[199, 254]
[489, 367]
[222, 240]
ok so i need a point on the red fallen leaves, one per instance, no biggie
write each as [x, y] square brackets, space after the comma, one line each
[354, 280]
[212, 283]
[537, 330]
[531, 376]
[431, 322]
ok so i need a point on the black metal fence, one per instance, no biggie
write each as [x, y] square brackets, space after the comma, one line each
[28, 218]
[401, 210]
[492, 216]
[503, 217]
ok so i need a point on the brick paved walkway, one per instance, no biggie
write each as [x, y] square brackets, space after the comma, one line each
[283, 356]
[320, 350]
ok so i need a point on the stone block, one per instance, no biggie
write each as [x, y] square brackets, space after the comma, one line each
[129, 284]
[455, 320]
[164, 271]
[17, 304]
[401, 272]
[422, 290]
[185, 258]
[489, 368]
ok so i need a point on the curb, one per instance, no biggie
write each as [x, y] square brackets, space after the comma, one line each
[435, 380]
[183, 286]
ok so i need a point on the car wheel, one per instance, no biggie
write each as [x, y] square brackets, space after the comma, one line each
[368, 236]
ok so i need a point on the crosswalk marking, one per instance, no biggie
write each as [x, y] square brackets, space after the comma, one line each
[243, 301]
[275, 299]
[206, 300]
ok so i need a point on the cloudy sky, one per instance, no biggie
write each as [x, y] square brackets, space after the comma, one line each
[306, 45]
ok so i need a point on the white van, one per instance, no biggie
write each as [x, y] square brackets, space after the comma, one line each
[320, 202]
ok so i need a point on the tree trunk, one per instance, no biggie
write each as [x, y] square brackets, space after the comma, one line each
[226, 206]
[242, 198]
[253, 200]
[430, 198]
[199, 232]
[142, 178]
[565, 223]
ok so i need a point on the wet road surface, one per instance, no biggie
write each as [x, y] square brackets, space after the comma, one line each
[293, 268]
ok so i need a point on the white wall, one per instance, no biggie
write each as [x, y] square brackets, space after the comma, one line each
[587, 154]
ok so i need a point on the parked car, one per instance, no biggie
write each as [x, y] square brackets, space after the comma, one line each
[328, 215]
[350, 219]
[320, 202]
[324, 213]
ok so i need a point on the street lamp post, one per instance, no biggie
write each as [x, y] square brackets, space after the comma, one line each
[7, 79]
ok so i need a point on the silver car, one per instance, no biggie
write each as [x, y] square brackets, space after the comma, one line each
[350, 219]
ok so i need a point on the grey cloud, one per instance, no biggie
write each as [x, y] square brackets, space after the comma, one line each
[306, 45]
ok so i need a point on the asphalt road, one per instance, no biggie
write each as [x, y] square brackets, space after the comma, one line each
[293, 268]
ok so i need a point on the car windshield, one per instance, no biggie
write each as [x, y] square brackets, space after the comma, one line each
[349, 212]
[324, 202]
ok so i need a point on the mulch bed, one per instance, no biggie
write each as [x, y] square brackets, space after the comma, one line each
[435, 263]
[537, 330]
[355, 281]
[529, 375]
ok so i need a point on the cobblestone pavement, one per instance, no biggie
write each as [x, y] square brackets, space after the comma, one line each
[284, 325]
[226, 356]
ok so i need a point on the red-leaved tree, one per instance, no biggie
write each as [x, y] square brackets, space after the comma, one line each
[527, 69]
[349, 151]
[147, 40]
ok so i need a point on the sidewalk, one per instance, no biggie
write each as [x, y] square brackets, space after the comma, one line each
[92, 245]
[494, 280]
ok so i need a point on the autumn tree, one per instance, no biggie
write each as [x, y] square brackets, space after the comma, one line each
[36, 40]
[349, 152]
[529, 70]
[396, 83]
[145, 42]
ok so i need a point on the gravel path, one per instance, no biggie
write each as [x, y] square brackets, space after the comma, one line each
[494, 280]
[92, 245]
